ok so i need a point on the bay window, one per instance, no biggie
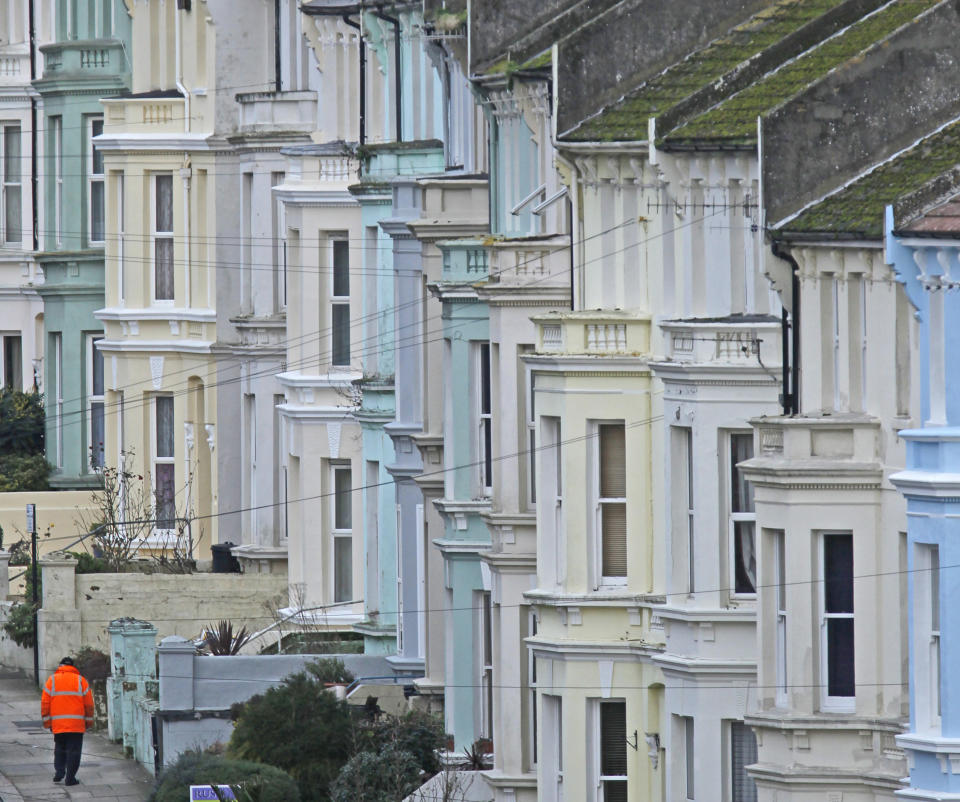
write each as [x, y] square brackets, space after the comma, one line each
[613, 751]
[743, 752]
[484, 403]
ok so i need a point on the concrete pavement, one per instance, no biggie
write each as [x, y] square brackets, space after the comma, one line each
[26, 756]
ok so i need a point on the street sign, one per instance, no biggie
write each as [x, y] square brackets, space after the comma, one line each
[31, 517]
[204, 792]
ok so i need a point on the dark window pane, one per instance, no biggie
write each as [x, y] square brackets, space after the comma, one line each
[613, 461]
[343, 515]
[164, 203]
[341, 268]
[166, 506]
[96, 211]
[615, 791]
[487, 453]
[96, 128]
[485, 378]
[614, 547]
[164, 426]
[745, 556]
[12, 223]
[613, 739]
[163, 269]
[97, 379]
[342, 569]
[96, 434]
[743, 752]
[12, 362]
[840, 673]
[341, 334]
[838, 573]
[741, 449]
[11, 154]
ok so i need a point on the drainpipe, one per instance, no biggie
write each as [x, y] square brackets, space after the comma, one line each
[363, 79]
[185, 173]
[276, 45]
[34, 203]
[396, 63]
[791, 400]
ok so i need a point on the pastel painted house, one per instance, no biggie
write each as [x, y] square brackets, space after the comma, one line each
[87, 60]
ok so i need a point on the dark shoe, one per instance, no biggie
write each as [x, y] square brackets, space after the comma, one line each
[57, 777]
[74, 781]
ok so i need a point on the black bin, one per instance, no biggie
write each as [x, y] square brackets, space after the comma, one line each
[223, 561]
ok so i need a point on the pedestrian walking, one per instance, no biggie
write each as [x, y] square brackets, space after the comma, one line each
[66, 708]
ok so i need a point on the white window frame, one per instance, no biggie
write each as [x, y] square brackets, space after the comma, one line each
[926, 636]
[552, 761]
[95, 398]
[599, 502]
[731, 727]
[689, 758]
[121, 233]
[779, 593]
[483, 404]
[8, 186]
[4, 368]
[550, 476]
[828, 703]
[738, 517]
[485, 631]
[534, 725]
[339, 301]
[158, 460]
[340, 533]
[157, 235]
[600, 779]
[530, 446]
[56, 146]
[95, 179]
[279, 243]
[58, 393]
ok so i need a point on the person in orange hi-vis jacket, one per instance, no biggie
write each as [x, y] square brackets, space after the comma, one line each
[66, 708]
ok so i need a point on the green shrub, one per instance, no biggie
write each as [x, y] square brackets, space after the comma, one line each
[299, 727]
[386, 776]
[198, 768]
[329, 669]
[418, 733]
[22, 472]
[88, 564]
[19, 624]
[21, 422]
[92, 663]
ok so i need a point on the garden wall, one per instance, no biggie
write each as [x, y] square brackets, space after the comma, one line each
[77, 608]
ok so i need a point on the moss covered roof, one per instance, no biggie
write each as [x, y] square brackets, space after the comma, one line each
[857, 210]
[734, 120]
[627, 118]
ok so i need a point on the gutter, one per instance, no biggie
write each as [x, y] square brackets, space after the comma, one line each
[790, 334]
[397, 60]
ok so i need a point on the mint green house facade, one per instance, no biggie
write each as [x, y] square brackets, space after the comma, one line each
[88, 60]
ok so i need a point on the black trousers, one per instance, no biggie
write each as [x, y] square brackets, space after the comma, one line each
[66, 753]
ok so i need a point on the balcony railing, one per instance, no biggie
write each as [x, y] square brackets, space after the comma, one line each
[14, 68]
[86, 58]
[594, 333]
[275, 112]
[145, 115]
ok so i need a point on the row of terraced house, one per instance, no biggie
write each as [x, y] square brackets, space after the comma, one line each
[591, 360]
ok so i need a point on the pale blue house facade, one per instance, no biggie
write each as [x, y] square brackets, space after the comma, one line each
[926, 260]
[377, 408]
